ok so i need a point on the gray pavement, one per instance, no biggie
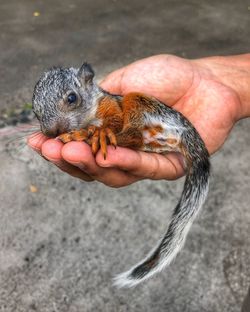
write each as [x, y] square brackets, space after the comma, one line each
[61, 245]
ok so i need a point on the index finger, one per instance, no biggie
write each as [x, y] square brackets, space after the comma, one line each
[113, 81]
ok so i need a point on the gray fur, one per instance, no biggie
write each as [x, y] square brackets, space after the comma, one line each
[48, 100]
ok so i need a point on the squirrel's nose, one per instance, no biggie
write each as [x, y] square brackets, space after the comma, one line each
[54, 129]
[51, 133]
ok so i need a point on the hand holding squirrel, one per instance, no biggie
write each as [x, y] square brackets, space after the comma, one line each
[67, 99]
[193, 87]
[71, 106]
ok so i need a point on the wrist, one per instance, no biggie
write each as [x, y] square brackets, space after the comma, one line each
[234, 73]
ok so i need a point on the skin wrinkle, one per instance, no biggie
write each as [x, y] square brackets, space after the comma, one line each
[196, 80]
[155, 169]
[227, 122]
[224, 93]
[180, 160]
[189, 87]
[121, 81]
[236, 114]
[233, 112]
[190, 65]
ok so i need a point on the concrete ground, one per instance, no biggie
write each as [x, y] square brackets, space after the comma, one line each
[62, 240]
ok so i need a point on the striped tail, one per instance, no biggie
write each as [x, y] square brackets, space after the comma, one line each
[193, 196]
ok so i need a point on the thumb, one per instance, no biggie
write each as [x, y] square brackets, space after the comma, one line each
[113, 82]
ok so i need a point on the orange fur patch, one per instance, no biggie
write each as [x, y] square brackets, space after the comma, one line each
[110, 113]
[138, 101]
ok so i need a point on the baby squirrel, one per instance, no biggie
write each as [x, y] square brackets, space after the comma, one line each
[71, 106]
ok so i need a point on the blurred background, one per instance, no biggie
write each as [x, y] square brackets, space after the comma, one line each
[62, 240]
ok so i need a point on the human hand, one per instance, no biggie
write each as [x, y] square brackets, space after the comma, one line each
[196, 88]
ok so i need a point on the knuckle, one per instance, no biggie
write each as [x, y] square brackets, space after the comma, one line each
[154, 170]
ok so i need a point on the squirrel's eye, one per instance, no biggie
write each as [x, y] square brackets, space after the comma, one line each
[72, 98]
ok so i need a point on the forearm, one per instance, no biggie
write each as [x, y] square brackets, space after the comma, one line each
[234, 72]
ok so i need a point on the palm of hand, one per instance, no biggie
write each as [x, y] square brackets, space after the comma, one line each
[188, 87]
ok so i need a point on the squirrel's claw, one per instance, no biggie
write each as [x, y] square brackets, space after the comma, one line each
[103, 142]
[91, 130]
[112, 137]
[95, 145]
[100, 138]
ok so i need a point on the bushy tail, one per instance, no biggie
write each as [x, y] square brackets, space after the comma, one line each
[193, 196]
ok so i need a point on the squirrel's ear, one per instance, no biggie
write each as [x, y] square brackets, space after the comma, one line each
[86, 73]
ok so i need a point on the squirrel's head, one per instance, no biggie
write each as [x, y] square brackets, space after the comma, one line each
[65, 99]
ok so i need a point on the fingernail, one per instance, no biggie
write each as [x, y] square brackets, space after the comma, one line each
[105, 164]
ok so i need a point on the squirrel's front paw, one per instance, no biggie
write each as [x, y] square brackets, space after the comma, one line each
[100, 138]
[74, 135]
